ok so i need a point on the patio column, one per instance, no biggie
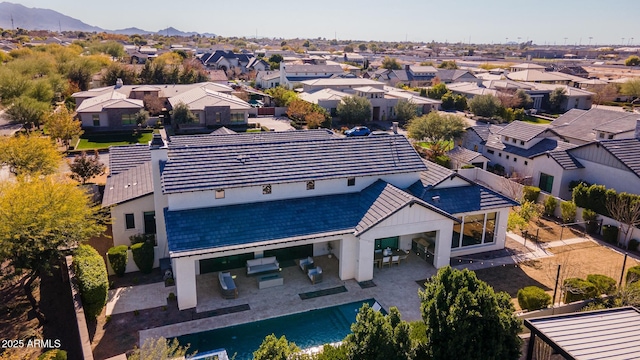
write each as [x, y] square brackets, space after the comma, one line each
[185, 275]
[442, 253]
[364, 265]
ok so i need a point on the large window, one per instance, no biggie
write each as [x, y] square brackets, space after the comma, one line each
[474, 230]
[96, 119]
[130, 222]
[237, 118]
[546, 182]
[128, 119]
[390, 242]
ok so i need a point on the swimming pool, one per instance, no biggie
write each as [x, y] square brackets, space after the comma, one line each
[307, 329]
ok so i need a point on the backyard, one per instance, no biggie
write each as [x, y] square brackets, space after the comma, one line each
[90, 141]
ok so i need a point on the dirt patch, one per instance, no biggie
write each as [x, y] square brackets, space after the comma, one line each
[578, 260]
[546, 230]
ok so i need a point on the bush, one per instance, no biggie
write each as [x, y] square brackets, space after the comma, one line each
[610, 234]
[54, 354]
[143, 256]
[633, 274]
[442, 160]
[578, 289]
[590, 217]
[604, 284]
[93, 280]
[118, 259]
[141, 238]
[530, 193]
[633, 244]
[568, 210]
[533, 298]
[550, 205]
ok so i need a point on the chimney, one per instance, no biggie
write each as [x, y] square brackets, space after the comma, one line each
[637, 129]
[119, 83]
[407, 67]
[156, 142]
[394, 127]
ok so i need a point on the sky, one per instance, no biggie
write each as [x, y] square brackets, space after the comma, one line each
[576, 22]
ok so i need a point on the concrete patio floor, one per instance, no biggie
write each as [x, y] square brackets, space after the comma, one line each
[395, 286]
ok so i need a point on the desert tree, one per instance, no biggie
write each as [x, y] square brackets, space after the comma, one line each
[354, 109]
[625, 208]
[391, 63]
[28, 112]
[84, 167]
[61, 125]
[29, 155]
[436, 127]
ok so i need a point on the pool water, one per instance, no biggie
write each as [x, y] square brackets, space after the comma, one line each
[307, 329]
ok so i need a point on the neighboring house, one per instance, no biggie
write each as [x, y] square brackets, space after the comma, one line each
[526, 66]
[475, 137]
[292, 74]
[226, 60]
[460, 156]
[354, 58]
[109, 111]
[217, 76]
[212, 108]
[456, 76]
[538, 76]
[206, 187]
[268, 79]
[584, 126]
[257, 64]
[411, 75]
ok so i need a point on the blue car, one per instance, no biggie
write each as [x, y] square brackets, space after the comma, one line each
[358, 131]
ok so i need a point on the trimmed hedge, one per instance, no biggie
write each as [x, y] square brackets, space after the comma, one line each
[633, 274]
[143, 256]
[633, 244]
[530, 193]
[533, 298]
[568, 210]
[550, 205]
[604, 284]
[118, 258]
[590, 217]
[578, 289]
[93, 279]
[610, 234]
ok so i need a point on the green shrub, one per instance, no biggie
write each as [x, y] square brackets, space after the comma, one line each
[141, 238]
[590, 217]
[530, 193]
[93, 280]
[54, 354]
[550, 205]
[604, 284]
[633, 244]
[442, 160]
[118, 259]
[610, 234]
[578, 289]
[633, 274]
[533, 298]
[468, 166]
[143, 256]
[568, 210]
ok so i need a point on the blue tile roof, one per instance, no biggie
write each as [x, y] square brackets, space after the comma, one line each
[207, 228]
[462, 199]
[539, 148]
[566, 160]
[522, 131]
[239, 165]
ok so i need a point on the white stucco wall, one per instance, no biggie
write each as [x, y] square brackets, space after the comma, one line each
[87, 120]
[137, 207]
[202, 199]
[612, 178]
[545, 164]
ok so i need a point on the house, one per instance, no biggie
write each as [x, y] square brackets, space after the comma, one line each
[460, 156]
[526, 66]
[257, 65]
[538, 76]
[354, 58]
[292, 74]
[211, 108]
[456, 76]
[206, 187]
[227, 60]
[584, 126]
[111, 111]
[268, 79]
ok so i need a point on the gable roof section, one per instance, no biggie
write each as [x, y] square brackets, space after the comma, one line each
[210, 228]
[240, 165]
[109, 100]
[465, 155]
[565, 160]
[214, 139]
[308, 69]
[541, 147]
[122, 158]
[128, 185]
[535, 76]
[627, 151]
[201, 97]
[434, 174]
[583, 124]
[461, 199]
[223, 131]
[521, 130]
[484, 131]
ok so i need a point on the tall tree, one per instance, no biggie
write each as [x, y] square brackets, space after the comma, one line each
[84, 167]
[557, 97]
[159, 349]
[391, 63]
[625, 208]
[450, 65]
[40, 218]
[181, 114]
[466, 319]
[281, 95]
[436, 127]
[354, 109]
[632, 60]
[437, 91]
[484, 105]
[28, 155]
[605, 93]
[405, 110]
[274, 61]
[27, 111]
[273, 348]
[631, 88]
[61, 125]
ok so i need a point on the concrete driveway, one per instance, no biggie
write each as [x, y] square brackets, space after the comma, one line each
[276, 123]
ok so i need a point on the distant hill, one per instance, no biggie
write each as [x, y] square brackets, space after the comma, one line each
[39, 19]
[45, 19]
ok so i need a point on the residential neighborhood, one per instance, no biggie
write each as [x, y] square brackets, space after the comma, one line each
[207, 196]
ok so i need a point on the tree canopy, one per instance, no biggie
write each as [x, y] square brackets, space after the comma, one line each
[84, 167]
[61, 125]
[631, 88]
[557, 97]
[281, 95]
[273, 348]
[181, 114]
[632, 60]
[391, 63]
[436, 127]
[437, 91]
[354, 109]
[159, 349]
[446, 64]
[27, 111]
[405, 110]
[484, 105]
[28, 155]
[466, 319]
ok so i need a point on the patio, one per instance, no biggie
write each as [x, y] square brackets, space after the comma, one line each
[395, 286]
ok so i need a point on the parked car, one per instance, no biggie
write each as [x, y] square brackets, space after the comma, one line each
[358, 131]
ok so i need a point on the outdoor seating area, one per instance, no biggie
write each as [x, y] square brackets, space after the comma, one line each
[262, 265]
[315, 275]
[228, 287]
[389, 257]
[306, 264]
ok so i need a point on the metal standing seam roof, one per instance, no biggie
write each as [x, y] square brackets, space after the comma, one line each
[240, 165]
[122, 158]
[521, 130]
[215, 139]
[215, 227]
[591, 335]
[128, 185]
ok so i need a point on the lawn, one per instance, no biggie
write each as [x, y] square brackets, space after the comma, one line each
[103, 141]
[535, 120]
[427, 144]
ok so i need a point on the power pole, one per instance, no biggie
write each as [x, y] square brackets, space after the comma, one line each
[12, 26]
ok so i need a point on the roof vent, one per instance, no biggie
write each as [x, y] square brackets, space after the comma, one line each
[436, 198]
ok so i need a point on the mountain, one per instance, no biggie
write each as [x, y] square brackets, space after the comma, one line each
[130, 31]
[171, 31]
[39, 19]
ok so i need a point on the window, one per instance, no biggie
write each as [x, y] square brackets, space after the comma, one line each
[526, 162]
[390, 242]
[491, 151]
[351, 181]
[130, 222]
[514, 141]
[266, 189]
[610, 136]
[96, 119]
[474, 230]
[128, 119]
[311, 185]
[507, 157]
[457, 230]
[546, 182]
[515, 159]
[601, 135]
[499, 154]
[218, 117]
[521, 142]
[237, 118]
[506, 138]
[219, 194]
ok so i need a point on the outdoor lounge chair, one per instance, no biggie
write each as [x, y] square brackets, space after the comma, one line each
[306, 264]
[395, 260]
[228, 287]
[386, 261]
[315, 275]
